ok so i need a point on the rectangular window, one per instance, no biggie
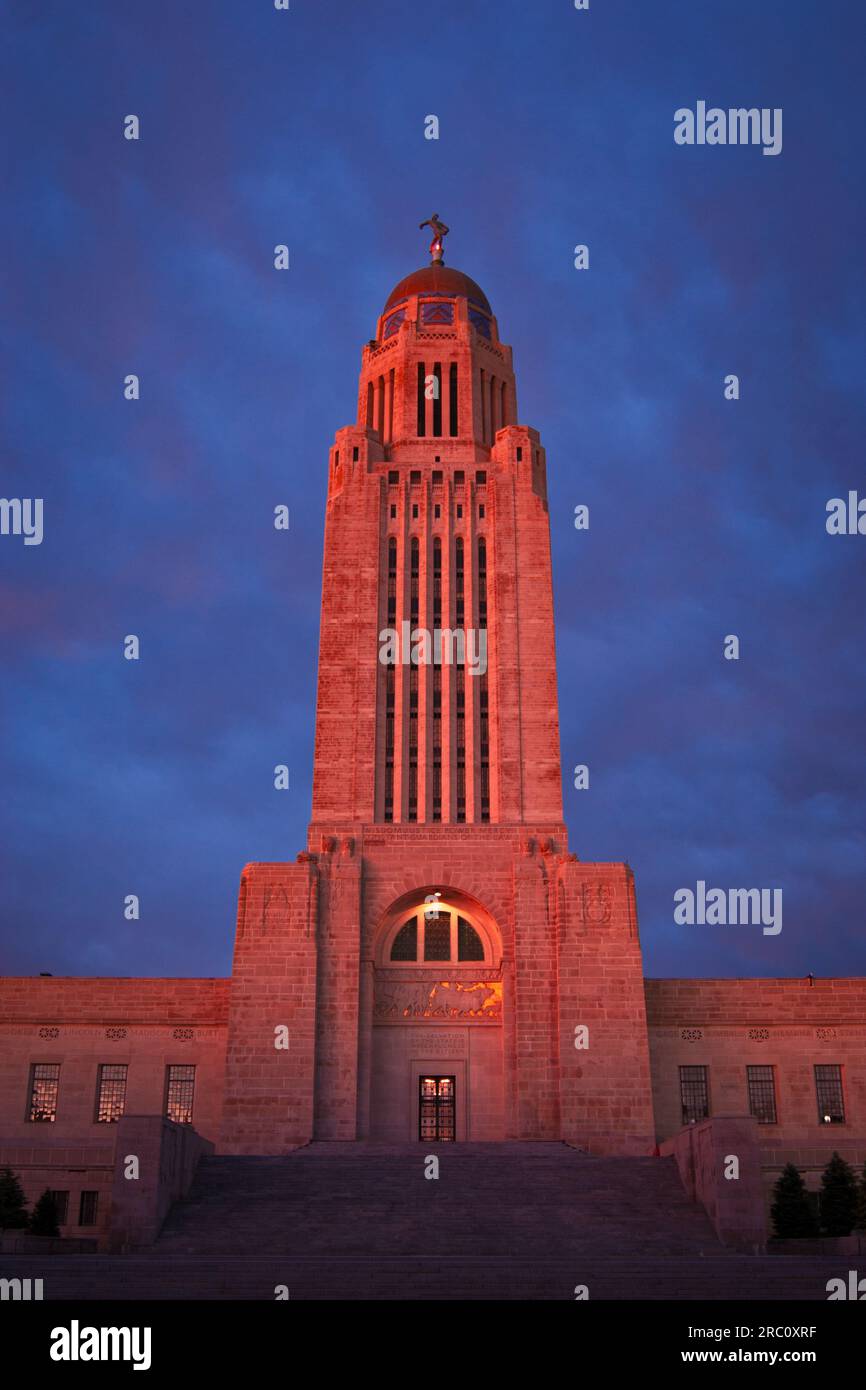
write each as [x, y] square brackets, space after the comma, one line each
[415, 476]
[828, 1086]
[88, 1208]
[110, 1093]
[762, 1094]
[355, 454]
[437, 511]
[437, 477]
[179, 1094]
[44, 1088]
[61, 1204]
[693, 1094]
[393, 477]
[519, 454]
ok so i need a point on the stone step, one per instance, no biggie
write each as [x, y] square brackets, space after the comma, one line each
[432, 1277]
[502, 1221]
[489, 1200]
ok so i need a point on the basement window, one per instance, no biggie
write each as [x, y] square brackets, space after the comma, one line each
[88, 1208]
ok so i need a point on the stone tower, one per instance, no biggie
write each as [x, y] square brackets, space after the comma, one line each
[436, 953]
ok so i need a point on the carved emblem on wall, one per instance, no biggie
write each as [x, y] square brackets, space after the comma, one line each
[596, 904]
[115, 1034]
[182, 1034]
[759, 1034]
[443, 999]
[826, 1034]
[274, 901]
[691, 1034]
[49, 1032]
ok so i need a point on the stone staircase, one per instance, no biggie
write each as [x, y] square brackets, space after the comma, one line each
[503, 1221]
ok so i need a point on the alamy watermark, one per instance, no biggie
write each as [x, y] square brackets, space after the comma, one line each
[736, 126]
[22, 516]
[408, 646]
[733, 907]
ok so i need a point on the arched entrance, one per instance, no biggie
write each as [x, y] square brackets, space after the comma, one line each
[436, 1052]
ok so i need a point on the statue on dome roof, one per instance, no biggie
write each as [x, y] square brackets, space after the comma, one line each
[439, 231]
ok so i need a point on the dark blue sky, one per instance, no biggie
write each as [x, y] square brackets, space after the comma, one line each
[707, 517]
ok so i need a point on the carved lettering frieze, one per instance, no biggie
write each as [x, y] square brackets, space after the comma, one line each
[440, 1042]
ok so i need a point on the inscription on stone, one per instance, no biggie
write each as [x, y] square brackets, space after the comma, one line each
[437, 1043]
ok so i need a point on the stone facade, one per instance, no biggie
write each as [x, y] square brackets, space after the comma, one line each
[436, 929]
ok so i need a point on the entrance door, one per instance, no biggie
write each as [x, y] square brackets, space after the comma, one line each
[436, 1116]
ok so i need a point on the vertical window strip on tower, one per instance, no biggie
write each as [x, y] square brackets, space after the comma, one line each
[437, 399]
[422, 402]
[482, 396]
[391, 404]
[483, 699]
[460, 684]
[437, 685]
[453, 424]
[414, 581]
[390, 685]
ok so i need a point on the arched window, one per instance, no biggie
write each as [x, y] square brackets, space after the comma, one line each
[437, 934]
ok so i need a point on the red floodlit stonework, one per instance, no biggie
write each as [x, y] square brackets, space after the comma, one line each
[432, 962]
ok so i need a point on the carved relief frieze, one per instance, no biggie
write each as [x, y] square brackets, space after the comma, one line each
[407, 999]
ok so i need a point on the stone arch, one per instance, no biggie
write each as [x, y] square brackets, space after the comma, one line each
[446, 899]
[435, 1018]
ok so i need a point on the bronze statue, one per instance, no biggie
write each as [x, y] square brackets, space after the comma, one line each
[439, 231]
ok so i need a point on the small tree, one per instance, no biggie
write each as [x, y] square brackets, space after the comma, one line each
[838, 1197]
[860, 1223]
[44, 1221]
[13, 1206]
[791, 1210]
